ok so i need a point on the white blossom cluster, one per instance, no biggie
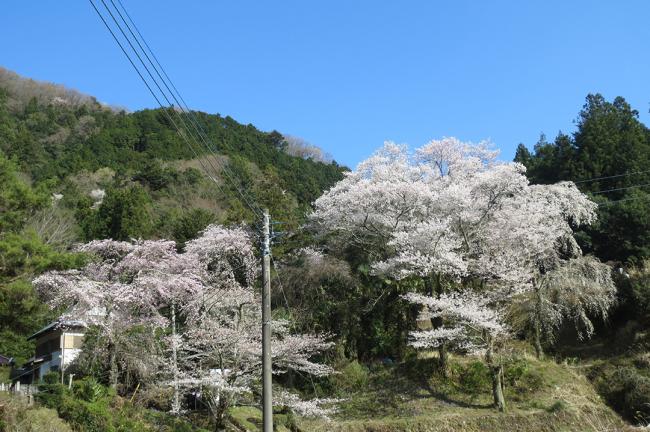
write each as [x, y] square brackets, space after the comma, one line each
[323, 408]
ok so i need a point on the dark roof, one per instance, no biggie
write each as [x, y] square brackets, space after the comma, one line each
[56, 325]
[4, 360]
[36, 360]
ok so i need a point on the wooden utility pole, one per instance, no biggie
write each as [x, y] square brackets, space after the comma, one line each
[267, 395]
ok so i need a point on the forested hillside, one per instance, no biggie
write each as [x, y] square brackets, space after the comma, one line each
[63, 138]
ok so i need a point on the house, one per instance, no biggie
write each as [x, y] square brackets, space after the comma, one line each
[57, 345]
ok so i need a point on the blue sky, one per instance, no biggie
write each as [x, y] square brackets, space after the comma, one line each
[347, 75]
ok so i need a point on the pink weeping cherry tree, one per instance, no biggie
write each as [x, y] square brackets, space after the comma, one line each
[204, 304]
[127, 285]
[96, 295]
[167, 281]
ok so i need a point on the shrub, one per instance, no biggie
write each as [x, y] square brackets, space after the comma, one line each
[627, 391]
[50, 391]
[191, 176]
[155, 175]
[190, 224]
[16, 416]
[523, 378]
[353, 376]
[557, 406]
[89, 390]
[474, 378]
[86, 416]
[109, 414]
[515, 370]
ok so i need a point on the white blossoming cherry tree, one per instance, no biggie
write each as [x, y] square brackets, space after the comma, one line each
[452, 211]
[380, 207]
[419, 213]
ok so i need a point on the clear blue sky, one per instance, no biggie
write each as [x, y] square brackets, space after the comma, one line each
[347, 75]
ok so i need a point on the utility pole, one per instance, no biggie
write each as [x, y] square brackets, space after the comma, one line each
[267, 395]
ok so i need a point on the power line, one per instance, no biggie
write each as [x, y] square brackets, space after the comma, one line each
[279, 280]
[168, 84]
[267, 401]
[183, 130]
[609, 177]
[621, 188]
[192, 120]
[181, 103]
[607, 203]
[155, 96]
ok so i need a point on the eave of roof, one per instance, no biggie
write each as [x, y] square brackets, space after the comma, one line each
[57, 325]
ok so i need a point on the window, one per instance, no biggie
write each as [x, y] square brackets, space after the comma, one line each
[73, 341]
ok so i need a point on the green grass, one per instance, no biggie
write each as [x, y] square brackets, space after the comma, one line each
[411, 397]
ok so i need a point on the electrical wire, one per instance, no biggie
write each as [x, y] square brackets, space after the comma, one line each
[608, 203]
[155, 96]
[197, 130]
[180, 102]
[279, 280]
[193, 133]
[179, 117]
[609, 177]
[621, 188]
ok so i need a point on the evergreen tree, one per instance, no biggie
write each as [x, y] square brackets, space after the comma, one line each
[612, 146]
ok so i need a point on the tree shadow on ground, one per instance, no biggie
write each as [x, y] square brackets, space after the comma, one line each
[417, 379]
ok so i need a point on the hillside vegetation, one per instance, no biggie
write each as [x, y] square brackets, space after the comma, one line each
[54, 135]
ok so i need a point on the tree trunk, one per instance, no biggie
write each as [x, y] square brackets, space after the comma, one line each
[537, 340]
[537, 324]
[112, 355]
[443, 358]
[436, 322]
[497, 387]
[220, 413]
[496, 370]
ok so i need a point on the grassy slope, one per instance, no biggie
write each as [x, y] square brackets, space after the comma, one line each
[548, 397]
